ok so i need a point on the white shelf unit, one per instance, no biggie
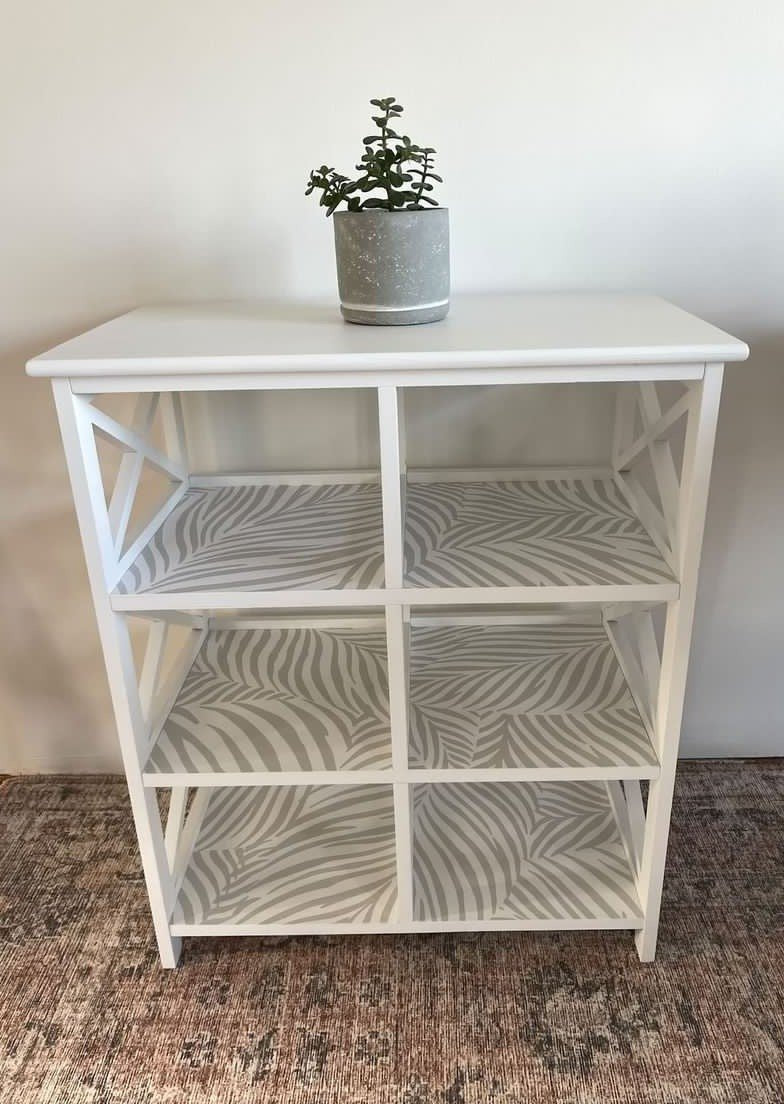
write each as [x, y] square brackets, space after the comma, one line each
[398, 700]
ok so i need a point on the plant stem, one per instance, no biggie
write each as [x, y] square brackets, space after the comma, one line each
[387, 183]
[422, 180]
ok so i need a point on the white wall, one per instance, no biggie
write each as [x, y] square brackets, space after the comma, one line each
[158, 150]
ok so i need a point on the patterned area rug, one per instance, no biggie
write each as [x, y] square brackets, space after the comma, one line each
[86, 1015]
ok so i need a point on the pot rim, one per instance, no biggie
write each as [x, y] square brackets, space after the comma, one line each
[385, 211]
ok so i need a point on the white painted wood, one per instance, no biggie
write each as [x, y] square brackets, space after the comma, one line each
[518, 617]
[662, 463]
[656, 429]
[618, 804]
[634, 341]
[79, 445]
[210, 779]
[92, 490]
[398, 688]
[695, 478]
[648, 513]
[147, 533]
[172, 617]
[129, 474]
[504, 475]
[641, 681]
[163, 780]
[481, 331]
[186, 840]
[413, 475]
[294, 621]
[623, 424]
[401, 792]
[408, 377]
[413, 596]
[121, 435]
[168, 691]
[598, 923]
[151, 668]
[174, 429]
[285, 479]
[154, 605]
[636, 813]
[392, 463]
[174, 822]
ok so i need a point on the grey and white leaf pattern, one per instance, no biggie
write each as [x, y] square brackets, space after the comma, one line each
[281, 699]
[566, 532]
[293, 854]
[265, 538]
[519, 851]
[494, 696]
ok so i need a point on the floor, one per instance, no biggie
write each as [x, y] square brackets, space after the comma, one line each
[86, 1015]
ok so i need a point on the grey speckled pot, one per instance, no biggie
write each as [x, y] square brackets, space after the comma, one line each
[393, 266]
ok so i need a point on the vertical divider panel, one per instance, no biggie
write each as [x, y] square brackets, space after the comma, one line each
[398, 716]
[391, 438]
[392, 471]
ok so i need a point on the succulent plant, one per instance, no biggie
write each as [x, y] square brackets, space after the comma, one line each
[396, 172]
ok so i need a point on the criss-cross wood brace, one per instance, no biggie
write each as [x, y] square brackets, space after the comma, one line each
[159, 684]
[138, 451]
[662, 520]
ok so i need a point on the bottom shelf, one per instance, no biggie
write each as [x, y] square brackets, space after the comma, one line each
[484, 855]
[517, 853]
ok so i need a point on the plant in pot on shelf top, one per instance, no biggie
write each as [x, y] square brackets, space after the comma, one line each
[392, 242]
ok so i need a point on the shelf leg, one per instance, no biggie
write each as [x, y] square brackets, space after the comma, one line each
[695, 479]
[79, 445]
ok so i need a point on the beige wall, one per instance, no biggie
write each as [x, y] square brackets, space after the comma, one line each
[158, 151]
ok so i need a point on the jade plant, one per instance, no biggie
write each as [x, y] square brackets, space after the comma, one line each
[395, 174]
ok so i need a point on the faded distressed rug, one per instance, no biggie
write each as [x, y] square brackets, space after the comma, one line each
[87, 1015]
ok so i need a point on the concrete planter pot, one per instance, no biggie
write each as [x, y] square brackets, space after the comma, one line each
[393, 266]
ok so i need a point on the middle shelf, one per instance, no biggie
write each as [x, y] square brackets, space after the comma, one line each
[248, 541]
[284, 705]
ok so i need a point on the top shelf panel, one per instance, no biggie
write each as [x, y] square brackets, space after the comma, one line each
[480, 332]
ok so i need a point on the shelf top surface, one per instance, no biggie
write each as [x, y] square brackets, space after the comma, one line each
[542, 329]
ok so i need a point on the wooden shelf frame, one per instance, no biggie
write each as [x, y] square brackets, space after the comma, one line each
[670, 504]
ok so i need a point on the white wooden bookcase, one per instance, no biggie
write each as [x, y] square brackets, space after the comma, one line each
[399, 700]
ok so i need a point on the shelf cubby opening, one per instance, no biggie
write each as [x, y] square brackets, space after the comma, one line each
[514, 486]
[265, 533]
[541, 695]
[245, 508]
[269, 860]
[282, 699]
[521, 854]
